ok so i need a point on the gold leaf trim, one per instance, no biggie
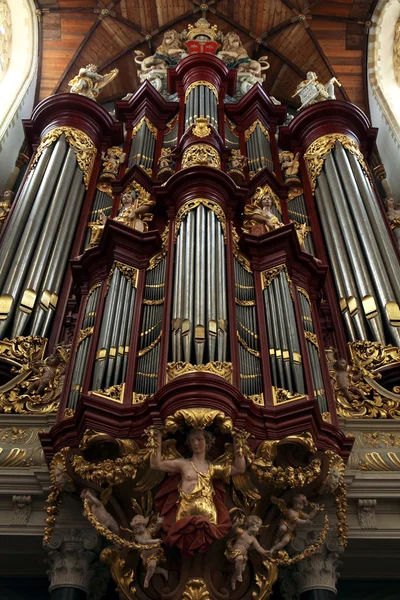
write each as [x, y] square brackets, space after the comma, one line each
[222, 369]
[252, 127]
[195, 84]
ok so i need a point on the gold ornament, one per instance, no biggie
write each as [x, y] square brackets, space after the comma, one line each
[152, 128]
[210, 204]
[319, 150]
[195, 589]
[252, 127]
[123, 577]
[84, 333]
[202, 128]
[115, 392]
[201, 155]
[84, 148]
[198, 418]
[202, 82]
[222, 369]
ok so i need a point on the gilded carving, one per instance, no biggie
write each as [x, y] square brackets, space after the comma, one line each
[188, 206]
[84, 148]
[135, 208]
[222, 369]
[38, 384]
[201, 155]
[258, 215]
[202, 82]
[112, 160]
[201, 128]
[252, 128]
[318, 151]
[356, 385]
[89, 82]
[198, 418]
[195, 589]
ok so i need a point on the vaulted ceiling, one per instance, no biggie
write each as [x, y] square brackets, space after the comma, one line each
[325, 36]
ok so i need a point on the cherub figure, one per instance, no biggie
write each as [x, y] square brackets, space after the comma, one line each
[46, 372]
[346, 380]
[89, 82]
[392, 212]
[111, 162]
[143, 534]
[237, 161]
[5, 206]
[99, 511]
[261, 212]
[293, 515]
[246, 539]
[290, 165]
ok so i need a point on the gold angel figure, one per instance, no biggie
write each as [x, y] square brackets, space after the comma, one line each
[260, 212]
[89, 83]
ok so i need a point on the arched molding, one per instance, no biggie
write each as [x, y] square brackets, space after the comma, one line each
[381, 75]
[22, 68]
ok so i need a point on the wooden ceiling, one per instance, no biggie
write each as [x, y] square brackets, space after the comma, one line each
[325, 36]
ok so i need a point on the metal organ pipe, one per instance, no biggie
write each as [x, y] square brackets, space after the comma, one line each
[344, 280]
[356, 256]
[377, 267]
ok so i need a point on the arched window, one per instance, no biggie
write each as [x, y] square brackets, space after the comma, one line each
[5, 37]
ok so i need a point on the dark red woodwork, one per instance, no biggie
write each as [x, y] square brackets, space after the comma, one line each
[72, 110]
[332, 116]
[146, 102]
[204, 67]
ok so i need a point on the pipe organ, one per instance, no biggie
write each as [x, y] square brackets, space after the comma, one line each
[202, 267]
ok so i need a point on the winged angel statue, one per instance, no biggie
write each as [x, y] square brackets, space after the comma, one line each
[192, 499]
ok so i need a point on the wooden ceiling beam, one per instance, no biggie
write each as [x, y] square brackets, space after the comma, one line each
[271, 49]
[76, 54]
[289, 5]
[277, 28]
[337, 19]
[130, 24]
[325, 59]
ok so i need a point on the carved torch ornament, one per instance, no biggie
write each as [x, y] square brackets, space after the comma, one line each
[213, 502]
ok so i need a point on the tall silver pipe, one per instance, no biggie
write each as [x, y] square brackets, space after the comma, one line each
[211, 286]
[221, 279]
[199, 287]
[345, 284]
[275, 338]
[42, 251]
[187, 312]
[128, 333]
[356, 256]
[126, 317]
[375, 218]
[289, 323]
[20, 260]
[58, 260]
[281, 319]
[176, 301]
[115, 332]
[18, 218]
[371, 251]
[271, 342]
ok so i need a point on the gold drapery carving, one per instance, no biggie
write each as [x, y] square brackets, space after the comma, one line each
[318, 151]
[84, 148]
[201, 154]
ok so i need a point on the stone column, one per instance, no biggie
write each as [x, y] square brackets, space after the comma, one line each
[73, 557]
[313, 578]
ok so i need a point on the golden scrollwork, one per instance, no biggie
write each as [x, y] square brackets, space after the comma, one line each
[115, 392]
[152, 128]
[128, 272]
[84, 148]
[265, 583]
[195, 589]
[246, 346]
[123, 577]
[152, 345]
[138, 398]
[157, 258]
[280, 395]
[110, 472]
[198, 418]
[38, 384]
[202, 82]
[311, 337]
[202, 128]
[318, 151]
[370, 399]
[188, 206]
[267, 277]
[84, 333]
[294, 193]
[252, 127]
[202, 155]
[141, 192]
[222, 369]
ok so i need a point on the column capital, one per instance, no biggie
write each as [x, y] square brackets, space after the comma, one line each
[72, 554]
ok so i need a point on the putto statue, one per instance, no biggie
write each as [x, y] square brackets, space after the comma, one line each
[346, 379]
[293, 515]
[143, 534]
[290, 166]
[246, 531]
[89, 82]
[112, 160]
[259, 217]
[311, 91]
[193, 501]
[99, 511]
